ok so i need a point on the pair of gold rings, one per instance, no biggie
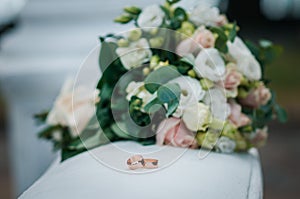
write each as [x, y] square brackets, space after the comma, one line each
[137, 162]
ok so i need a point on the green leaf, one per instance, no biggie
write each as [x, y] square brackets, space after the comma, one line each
[232, 33]
[180, 14]
[172, 1]
[47, 132]
[159, 77]
[107, 54]
[221, 41]
[170, 94]
[153, 106]
[221, 45]
[188, 59]
[118, 129]
[281, 113]
[166, 11]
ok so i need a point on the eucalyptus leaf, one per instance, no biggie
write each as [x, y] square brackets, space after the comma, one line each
[153, 106]
[107, 54]
[281, 113]
[159, 77]
[169, 94]
[232, 33]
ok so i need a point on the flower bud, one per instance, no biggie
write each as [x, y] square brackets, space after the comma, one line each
[135, 34]
[192, 73]
[206, 83]
[123, 43]
[123, 19]
[154, 61]
[146, 71]
[156, 42]
[132, 10]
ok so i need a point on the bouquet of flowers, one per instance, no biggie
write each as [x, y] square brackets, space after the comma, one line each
[179, 78]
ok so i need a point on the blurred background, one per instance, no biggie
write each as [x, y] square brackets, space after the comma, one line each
[42, 42]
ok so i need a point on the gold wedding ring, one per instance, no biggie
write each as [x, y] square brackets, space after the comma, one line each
[137, 162]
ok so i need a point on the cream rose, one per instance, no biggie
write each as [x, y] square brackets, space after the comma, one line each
[151, 16]
[236, 116]
[191, 93]
[135, 54]
[197, 117]
[246, 62]
[172, 131]
[138, 89]
[209, 64]
[205, 15]
[216, 99]
[73, 109]
[225, 145]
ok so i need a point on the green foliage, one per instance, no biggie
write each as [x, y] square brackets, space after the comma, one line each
[107, 54]
[169, 94]
[221, 41]
[225, 33]
[159, 77]
[265, 52]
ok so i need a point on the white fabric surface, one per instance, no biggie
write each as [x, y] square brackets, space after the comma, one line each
[233, 176]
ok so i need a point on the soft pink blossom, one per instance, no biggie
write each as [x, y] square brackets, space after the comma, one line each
[257, 97]
[222, 20]
[202, 38]
[172, 131]
[236, 116]
[232, 79]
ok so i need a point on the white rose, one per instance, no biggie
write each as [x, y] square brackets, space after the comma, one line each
[135, 54]
[246, 62]
[209, 64]
[191, 93]
[196, 117]
[205, 15]
[225, 145]
[151, 16]
[73, 109]
[215, 98]
[137, 89]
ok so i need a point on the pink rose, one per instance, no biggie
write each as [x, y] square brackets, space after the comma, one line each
[222, 20]
[202, 38]
[232, 79]
[257, 97]
[260, 137]
[172, 131]
[236, 116]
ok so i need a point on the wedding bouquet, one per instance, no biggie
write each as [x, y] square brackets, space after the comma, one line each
[179, 78]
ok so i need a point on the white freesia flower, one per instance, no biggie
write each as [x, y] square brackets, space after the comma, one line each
[246, 62]
[206, 15]
[137, 89]
[225, 145]
[191, 93]
[151, 16]
[196, 117]
[209, 64]
[215, 98]
[73, 109]
[135, 54]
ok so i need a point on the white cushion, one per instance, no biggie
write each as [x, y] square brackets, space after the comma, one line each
[181, 174]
